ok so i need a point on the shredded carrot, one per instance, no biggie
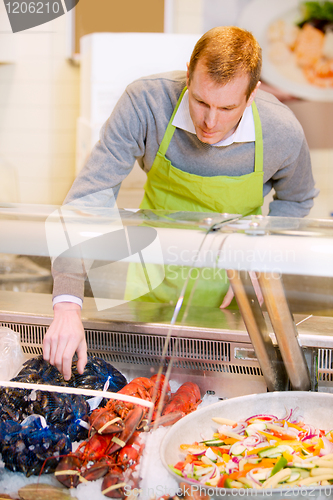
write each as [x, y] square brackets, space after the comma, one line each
[294, 426]
[248, 467]
[268, 462]
[190, 458]
[269, 435]
[230, 440]
[237, 475]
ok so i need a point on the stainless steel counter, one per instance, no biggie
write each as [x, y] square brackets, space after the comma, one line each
[209, 346]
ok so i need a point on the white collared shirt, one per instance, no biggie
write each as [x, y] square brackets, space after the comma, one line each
[245, 131]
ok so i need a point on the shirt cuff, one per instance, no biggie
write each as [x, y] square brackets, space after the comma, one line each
[67, 298]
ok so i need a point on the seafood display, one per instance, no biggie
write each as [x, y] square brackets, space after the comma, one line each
[36, 425]
[97, 373]
[31, 447]
[308, 43]
[115, 448]
[260, 452]
[65, 412]
[37, 428]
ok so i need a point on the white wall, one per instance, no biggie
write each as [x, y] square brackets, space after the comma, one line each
[187, 16]
[39, 107]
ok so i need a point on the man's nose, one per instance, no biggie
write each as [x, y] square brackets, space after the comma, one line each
[210, 118]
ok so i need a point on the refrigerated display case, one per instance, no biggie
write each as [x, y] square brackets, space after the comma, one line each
[285, 344]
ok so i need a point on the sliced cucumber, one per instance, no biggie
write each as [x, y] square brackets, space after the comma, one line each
[267, 452]
[254, 428]
[304, 473]
[237, 449]
[213, 442]
[294, 476]
[305, 452]
[274, 451]
[253, 460]
[285, 447]
[260, 476]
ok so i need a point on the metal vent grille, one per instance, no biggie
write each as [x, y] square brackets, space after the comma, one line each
[325, 365]
[142, 349]
[183, 364]
[152, 345]
[31, 336]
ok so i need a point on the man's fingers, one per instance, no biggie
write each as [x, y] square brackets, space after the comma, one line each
[256, 287]
[59, 351]
[228, 298]
[64, 337]
[230, 294]
[82, 356]
[46, 348]
[66, 367]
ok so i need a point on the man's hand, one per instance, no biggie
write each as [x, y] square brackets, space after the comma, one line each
[230, 294]
[64, 337]
[227, 298]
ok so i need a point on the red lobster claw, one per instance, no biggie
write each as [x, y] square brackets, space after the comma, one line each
[68, 471]
[113, 484]
[131, 422]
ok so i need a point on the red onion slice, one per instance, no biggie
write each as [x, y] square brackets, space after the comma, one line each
[328, 447]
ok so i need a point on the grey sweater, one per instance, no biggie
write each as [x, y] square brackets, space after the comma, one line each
[137, 125]
[136, 128]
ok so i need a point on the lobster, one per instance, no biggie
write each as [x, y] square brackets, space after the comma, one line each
[74, 466]
[114, 448]
[115, 425]
[117, 413]
[183, 401]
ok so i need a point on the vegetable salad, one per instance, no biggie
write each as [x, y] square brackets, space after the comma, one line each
[260, 452]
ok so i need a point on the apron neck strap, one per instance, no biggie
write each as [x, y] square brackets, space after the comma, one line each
[259, 145]
[170, 128]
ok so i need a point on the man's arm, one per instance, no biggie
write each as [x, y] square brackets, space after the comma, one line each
[121, 142]
[294, 193]
[294, 186]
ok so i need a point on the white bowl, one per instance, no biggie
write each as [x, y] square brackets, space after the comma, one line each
[315, 407]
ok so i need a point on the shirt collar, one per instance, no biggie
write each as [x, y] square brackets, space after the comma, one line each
[244, 132]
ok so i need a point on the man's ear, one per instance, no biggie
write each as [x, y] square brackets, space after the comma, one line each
[253, 94]
[187, 73]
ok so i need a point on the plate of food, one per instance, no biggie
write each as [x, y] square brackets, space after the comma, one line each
[274, 444]
[297, 43]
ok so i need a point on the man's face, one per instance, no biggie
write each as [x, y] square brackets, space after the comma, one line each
[216, 109]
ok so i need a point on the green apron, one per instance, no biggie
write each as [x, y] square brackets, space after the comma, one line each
[168, 188]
